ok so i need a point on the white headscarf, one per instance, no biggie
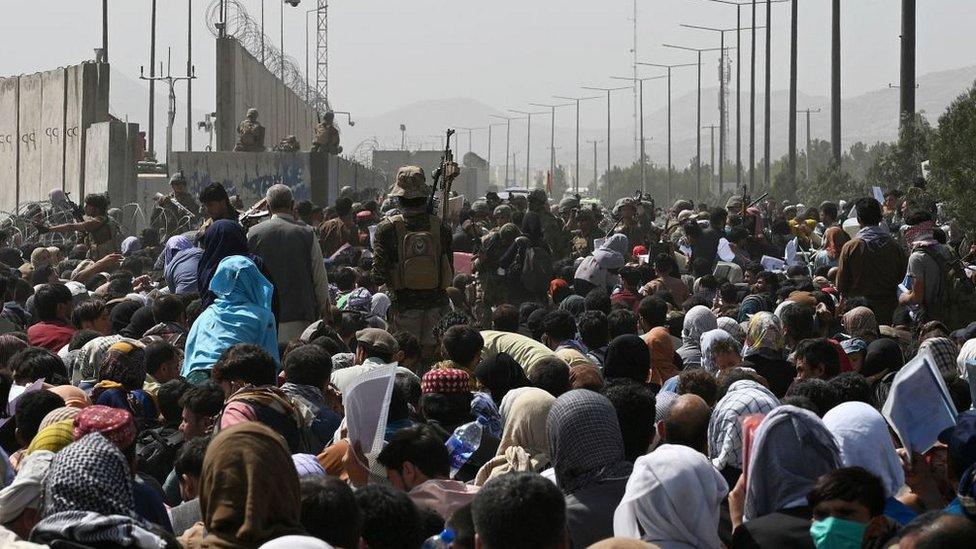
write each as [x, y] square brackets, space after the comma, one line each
[735, 329]
[708, 341]
[673, 496]
[967, 353]
[698, 320]
[25, 491]
[744, 398]
[380, 305]
[862, 436]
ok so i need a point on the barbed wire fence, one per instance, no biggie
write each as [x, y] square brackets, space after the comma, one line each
[242, 27]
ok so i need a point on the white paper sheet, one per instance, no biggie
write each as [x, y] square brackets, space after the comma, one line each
[366, 402]
[918, 407]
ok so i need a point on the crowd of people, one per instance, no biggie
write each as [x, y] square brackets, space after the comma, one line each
[532, 373]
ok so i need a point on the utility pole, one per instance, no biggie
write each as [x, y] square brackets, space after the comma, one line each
[596, 179]
[835, 143]
[608, 90]
[577, 100]
[808, 112]
[552, 132]
[470, 131]
[152, 81]
[105, 30]
[711, 164]
[907, 111]
[667, 195]
[792, 138]
[643, 157]
[769, 23]
[698, 117]
[170, 80]
[528, 143]
[634, 82]
[189, 70]
[508, 135]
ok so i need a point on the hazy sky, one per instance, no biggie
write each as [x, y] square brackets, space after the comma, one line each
[505, 53]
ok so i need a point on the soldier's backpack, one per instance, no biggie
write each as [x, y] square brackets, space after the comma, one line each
[958, 295]
[156, 450]
[421, 264]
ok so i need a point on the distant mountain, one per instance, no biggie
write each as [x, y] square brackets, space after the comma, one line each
[868, 117]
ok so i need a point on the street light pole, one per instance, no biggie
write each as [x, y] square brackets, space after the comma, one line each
[508, 135]
[792, 126]
[490, 126]
[552, 133]
[596, 180]
[152, 81]
[835, 142]
[528, 142]
[698, 117]
[577, 100]
[643, 157]
[669, 67]
[766, 122]
[189, 69]
[608, 90]
[808, 112]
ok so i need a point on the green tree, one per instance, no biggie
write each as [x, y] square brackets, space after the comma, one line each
[952, 161]
[902, 163]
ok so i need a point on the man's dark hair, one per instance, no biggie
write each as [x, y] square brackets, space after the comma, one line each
[47, 298]
[204, 400]
[344, 278]
[308, 365]
[408, 343]
[594, 330]
[81, 337]
[168, 398]
[728, 377]
[246, 362]
[717, 218]
[818, 391]
[653, 311]
[86, 311]
[621, 322]
[343, 205]
[916, 216]
[31, 409]
[853, 387]
[406, 393]
[214, 192]
[797, 321]
[559, 325]
[519, 511]
[868, 211]
[159, 353]
[829, 209]
[134, 264]
[167, 308]
[550, 374]
[800, 401]
[699, 382]
[34, 363]
[462, 344]
[958, 391]
[453, 318]
[420, 445]
[665, 264]
[939, 530]
[597, 299]
[390, 519]
[450, 410]
[98, 201]
[852, 484]
[462, 524]
[329, 511]
[819, 352]
[635, 405]
[505, 318]
[189, 458]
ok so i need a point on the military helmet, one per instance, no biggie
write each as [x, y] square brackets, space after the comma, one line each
[622, 203]
[252, 113]
[568, 204]
[481, 206]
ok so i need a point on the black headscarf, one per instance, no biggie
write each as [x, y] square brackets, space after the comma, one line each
[500, 374]
[627, 357]
[223, 238]
[532, 227]
[122, 313]
[883, 354]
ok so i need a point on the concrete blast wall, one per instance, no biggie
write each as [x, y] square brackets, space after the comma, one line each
[243, 83]
[43, 119]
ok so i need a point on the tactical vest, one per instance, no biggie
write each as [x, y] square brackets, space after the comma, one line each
[421, 265]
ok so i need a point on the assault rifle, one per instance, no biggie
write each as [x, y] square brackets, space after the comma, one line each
[445, 173]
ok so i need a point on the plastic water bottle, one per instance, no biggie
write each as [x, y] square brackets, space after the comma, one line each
[440, 541]
[463, 443]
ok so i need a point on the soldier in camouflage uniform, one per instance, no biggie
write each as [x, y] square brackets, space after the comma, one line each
[250, 134]
[625, 210]
[553, 231]
[491, 285]
[288, 144]
[327, 136]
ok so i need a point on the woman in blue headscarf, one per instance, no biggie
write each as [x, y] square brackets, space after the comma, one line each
[223, 238]
[240, 313]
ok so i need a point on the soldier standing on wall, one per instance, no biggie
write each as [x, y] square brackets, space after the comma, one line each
[412, 256]
[327, 136]
[250, 134]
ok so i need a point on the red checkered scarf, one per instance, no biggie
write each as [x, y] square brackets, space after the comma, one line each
[921, 234]
[115, 424]
[445, 381]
